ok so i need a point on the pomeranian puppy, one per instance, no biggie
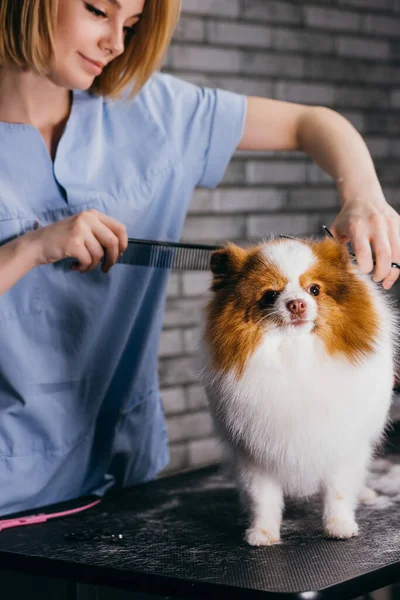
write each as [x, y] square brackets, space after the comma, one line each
[297, 359]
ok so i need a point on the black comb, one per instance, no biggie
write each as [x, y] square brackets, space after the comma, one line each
[168, 255]
[178, 256]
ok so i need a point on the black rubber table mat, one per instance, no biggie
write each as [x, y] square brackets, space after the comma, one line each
[183, 537]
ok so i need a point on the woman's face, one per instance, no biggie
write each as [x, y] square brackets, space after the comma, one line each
[89, 35]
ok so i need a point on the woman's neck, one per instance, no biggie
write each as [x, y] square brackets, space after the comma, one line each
[29, 98]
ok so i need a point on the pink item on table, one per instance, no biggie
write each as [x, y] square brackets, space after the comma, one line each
[42, 517]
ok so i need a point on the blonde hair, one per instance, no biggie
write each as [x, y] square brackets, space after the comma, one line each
[27, 29]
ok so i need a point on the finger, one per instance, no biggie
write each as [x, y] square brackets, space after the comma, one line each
[362, 249]
[393, 276]
[83, 259]
[383, 255]
[110, 245]
[118, 229]
[394, 240]
[96, 253]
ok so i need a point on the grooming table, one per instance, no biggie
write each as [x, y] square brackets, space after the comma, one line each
[183, 538]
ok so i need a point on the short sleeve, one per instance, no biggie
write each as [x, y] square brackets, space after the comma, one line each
[205, 125]
[225, 133]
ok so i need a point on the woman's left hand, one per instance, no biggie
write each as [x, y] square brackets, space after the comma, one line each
[365, 223]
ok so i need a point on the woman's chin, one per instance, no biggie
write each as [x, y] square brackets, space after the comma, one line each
[73, 81]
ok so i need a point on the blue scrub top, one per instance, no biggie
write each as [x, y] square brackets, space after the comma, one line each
[80, 408]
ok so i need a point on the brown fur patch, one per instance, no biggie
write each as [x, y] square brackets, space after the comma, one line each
[233, 315]
[347, 321]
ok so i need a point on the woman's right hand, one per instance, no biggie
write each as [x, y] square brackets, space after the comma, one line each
[87, 236]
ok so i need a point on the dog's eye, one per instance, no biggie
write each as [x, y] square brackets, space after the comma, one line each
[269, 297]
[314, 289]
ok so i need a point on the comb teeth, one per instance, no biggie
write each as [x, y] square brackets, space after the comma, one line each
[168, 255]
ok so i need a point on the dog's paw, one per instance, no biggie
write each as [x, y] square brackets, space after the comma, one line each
[260, 536]
[341, 528]
[368, 496]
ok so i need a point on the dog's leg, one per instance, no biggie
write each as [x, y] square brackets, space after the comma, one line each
[342, 490]
[262, 496]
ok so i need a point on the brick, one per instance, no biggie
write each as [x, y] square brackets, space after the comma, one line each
[395, 148]
[316, 175]
[395, 49]
[247, 199]
[276, 172]
[333, 69]
[179, 459]
[238, 34]
[267, 154]
[191, 340]
[243, 85]
[176, 371]
[356, 118]
[302, 41]
[378, 5]
[190, 29]
[361, 97]
[205, 452]
[306, 93]
[289, 224]
[167, 63]
[224, 8]
[272, 64]
[381, 26]
[392, 195]
[327, 18]
[234, 173]
[381, 123]
[381, 73]
[239, 200]
[362, 48]
[196, 397]
[395, 98]
[313, 198]
[187, 427]
[271, 11]
[200, 79]
[204, 58]
[173, 400]
[379, 147]
[170, 343]
[388, 172]
[173, 285]
[351, 70]
[212, 229]
[196, 284]
[183, 312]
[203, 200]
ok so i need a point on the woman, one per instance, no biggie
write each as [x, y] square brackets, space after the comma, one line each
[95, 146]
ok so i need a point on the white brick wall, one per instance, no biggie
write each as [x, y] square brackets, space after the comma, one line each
[338, 53]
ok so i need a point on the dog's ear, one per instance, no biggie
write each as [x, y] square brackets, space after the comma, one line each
[227, 261]
[225, 264]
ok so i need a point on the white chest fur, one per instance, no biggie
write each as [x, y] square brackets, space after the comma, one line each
[297, 411]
